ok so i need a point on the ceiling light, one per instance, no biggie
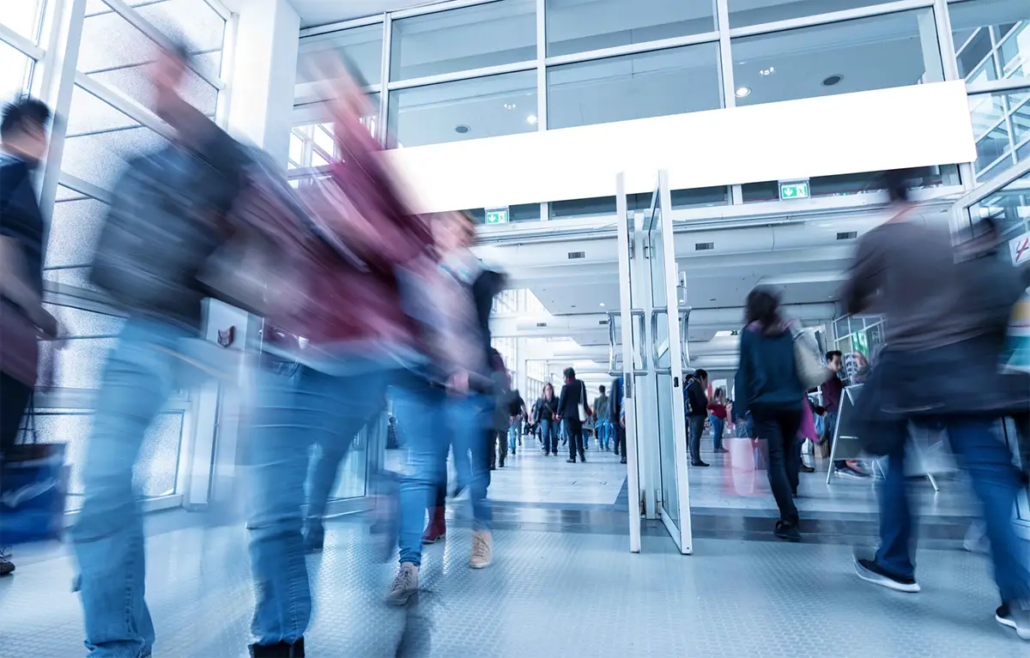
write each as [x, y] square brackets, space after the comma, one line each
[509, 106]
[767, 72]
[743, 92]
[461, 130]
[833, 80]
[602, 303]
[531, 119]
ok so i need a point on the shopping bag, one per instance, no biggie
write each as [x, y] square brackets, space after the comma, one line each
[33, 490]
[1015, 356]
[747, 460]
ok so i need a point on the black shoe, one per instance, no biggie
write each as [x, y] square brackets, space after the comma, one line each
[570, 460]
[493, 467]
[278, 650]
[807, 469]
[871, 572]
[622, 461]
[6, 566]
[721, 451]
[314, 538]
[787, 531]
[699, 463]
[1016, 617]
[582, 457]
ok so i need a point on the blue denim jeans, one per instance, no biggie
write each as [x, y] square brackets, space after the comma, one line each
[603, 432]
[718, 427]
[421, 413]
[995, 482]
[468, 425]
[513, 434]
[296, 408]
[150, 361]
[549, 435]
[696, 426]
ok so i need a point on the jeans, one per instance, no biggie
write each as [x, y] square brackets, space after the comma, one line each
[779, 429]
[467, 421]
[831, 435]
[513, 434]
[421, 412]
[718, 427]
[13, 404]
[574, 429]
[696, 424]
[996, 484]
[603, 433]
[549, 433]
[499, 446]
[140, 375]
[620, 440]
[296, 408]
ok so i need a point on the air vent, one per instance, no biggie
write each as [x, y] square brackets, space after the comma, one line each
[541, 325]
[704, 246]
[603, 323]
[576, 255]
[847, 235]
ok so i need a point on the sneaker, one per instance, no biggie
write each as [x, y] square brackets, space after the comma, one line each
[582, 458]
[870, 571]
[850, 473]
[570, 461]
[787, 531]
[278, 650]
[6, 566]
[1016, 617]
[805, 468]
[404, 586]
[482, 550]
[314, 537]
[699, 463]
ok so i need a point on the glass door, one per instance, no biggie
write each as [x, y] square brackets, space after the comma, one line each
[1007, 201]
[666, 343]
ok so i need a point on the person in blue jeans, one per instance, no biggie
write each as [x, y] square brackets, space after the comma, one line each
[516, 412]
[947, 306]
[544, 412]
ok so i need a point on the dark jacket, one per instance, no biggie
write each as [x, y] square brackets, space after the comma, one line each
[545, 409]
[485, 287]
[572, 395]
[766, 378]
[20, 218]
[616, 400]
[697, 400]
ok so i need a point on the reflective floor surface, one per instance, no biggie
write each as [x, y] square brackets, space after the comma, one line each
[548, 593]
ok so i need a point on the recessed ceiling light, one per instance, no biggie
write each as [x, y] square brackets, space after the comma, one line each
[833, 80]
[461, 130]
[509, 106]
[602, 303]
[767, 72]
[743, 92]
[531, 119]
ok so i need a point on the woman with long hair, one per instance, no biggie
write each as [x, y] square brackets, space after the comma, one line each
[544, 412]
[768, 387]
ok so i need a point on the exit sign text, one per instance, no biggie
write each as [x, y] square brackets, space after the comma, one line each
[497, 216]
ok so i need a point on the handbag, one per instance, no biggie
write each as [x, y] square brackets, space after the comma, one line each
[33, 489]
[582, 406]
[807, 364]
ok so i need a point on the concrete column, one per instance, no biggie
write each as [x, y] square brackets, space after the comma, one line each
[264, 71]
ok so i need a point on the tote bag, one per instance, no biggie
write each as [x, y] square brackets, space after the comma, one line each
[809, 367]
[33, 490]
[582, 406]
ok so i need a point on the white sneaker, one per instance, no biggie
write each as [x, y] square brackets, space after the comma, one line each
[482, 550]
[404, 585]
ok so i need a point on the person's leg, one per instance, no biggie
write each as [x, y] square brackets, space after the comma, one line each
[107, 537]
[466, 420]
[770, 427]
[996, 483]
[792, 448]
[14, 400]
[502, 442]
[718, 426]
[893, 566]
[576, 438]
[621, 437]
[420, 407]
[545, 432]
[697, 428]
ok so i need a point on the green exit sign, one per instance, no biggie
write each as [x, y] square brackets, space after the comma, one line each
[497, 216]
[795, 190]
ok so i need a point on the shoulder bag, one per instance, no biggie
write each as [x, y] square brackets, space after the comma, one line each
[807, 364]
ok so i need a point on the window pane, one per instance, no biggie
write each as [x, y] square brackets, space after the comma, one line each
[15, 68]
[597, 207]
[22, 16]
[73, 232]
[674, 81]
[100, 140]
[700, 197]
[825, 60]
[362, 47]
[991, 39]
[998, 148]
[462, 39]
[470, 109]
[575, 26]
[756, 12]
[109, 41]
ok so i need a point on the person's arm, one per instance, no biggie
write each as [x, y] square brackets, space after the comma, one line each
[742, 397]
[14, 287]
[561, 400]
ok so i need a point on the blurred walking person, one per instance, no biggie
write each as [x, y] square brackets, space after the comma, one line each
[516, 413]
[166, 220]
[946, 313]
[573, 411]
[696, 408]
[769, 389]
[617, 417]
[23, 144]
[717, 409]
[601, 419]
[545, 412]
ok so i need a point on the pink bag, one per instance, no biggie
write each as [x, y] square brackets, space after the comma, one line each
[807, 429]
[746, 473]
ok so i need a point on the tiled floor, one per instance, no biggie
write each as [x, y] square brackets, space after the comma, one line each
[547, 594]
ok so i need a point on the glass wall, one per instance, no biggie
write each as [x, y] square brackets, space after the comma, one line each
[497, 68]
[106, 122]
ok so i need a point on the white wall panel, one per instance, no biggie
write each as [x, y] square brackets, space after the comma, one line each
[869, 131]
